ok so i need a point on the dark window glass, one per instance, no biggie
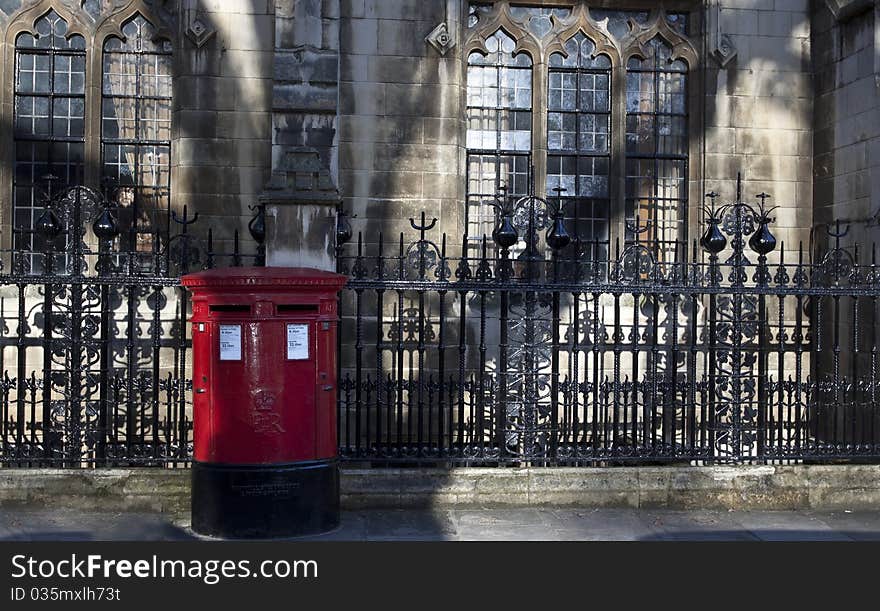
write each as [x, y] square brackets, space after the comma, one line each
[656, 148]
[499, 134]
[579, 140]
[136, 130]
[49, 126]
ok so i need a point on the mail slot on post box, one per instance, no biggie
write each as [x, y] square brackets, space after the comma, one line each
[264, 401]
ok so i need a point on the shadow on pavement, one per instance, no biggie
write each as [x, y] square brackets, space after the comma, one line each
[124, 530]
[764, 535]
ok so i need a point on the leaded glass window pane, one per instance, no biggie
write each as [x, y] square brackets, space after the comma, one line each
[499, 134]
[136, 131]
[49, 128]
[584, 87]
[657, 147]
[617, 21]
[578, 139]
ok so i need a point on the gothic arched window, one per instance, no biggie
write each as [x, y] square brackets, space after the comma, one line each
[579, 137]
[136, 127]
[657, 145]
[499, 134]
[49, 119]
[608, 118]
[91, 100]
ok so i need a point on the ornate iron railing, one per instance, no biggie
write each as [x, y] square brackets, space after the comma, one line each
[737, 350]
[541, 350]
[94, 346]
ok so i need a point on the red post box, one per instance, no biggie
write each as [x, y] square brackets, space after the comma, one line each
[264, 401]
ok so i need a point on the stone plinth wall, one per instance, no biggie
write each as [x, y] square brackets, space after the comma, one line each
[816, 487]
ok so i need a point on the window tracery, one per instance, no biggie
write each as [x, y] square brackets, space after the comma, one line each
[610, 120]
[89, 98]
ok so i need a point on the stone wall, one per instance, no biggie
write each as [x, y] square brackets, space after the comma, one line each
[847, 140]
[401, 121]
[759, 113]
[222, 110]
[306, 73]
[302, 198]
[846, 188]
[355, 82]
[816, 487]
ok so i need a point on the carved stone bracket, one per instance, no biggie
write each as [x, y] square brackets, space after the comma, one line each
[721, 45]
[441, 39]
[844, 9]
[199, 29]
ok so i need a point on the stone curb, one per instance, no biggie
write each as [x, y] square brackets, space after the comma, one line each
[817, 487]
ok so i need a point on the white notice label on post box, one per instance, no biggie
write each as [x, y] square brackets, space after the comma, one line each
[230, 342]
[297, 342]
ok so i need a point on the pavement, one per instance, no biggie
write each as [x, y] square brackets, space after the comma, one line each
[508, 524]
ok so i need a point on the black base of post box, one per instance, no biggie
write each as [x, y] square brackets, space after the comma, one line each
[265, 501]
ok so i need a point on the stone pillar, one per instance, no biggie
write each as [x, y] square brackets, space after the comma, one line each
[302, 198]
[301, 203]
[846, 189]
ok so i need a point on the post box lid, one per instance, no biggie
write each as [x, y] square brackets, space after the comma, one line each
[264, 277]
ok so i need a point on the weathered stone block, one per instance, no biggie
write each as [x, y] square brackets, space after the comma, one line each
[421, 100]
[246, 31]
[354, 67]
[243, 7]
[202, 93]
[352, 8]
[443, 130]
[361, 99]
[405, 38]
[414, 157]
[417, 70]
[247, 64]
[795, 216]
[797, 6]
[330, 34]
[306, 66]
[720, 139]
[303, 97]
[359, 36]
[315, 130]
[776, 23]
[307, 22]
[443, 185]
[247, 125]
[253, 94]
[202, 151]
[330, 9]
[380, 129]
[405, 9]
[194, 124]
[739, 21]
[372, 183]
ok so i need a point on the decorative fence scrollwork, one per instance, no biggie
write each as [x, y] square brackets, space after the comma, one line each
[94, 344]
[541, 350]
